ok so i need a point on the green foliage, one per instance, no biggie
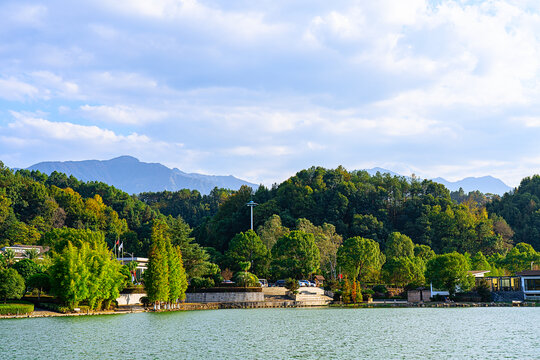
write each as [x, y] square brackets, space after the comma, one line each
[328, 242]
[40, 281]
[26, 268]
[380, 289]
[479, 262]
[360, 258]
[295, 255]
[86, 272]
[423, 252]
[11, 284]
[201, 283]
[165, 279]
[249, 247]
[246, 279]
[404, 270]
[399, 245]
[520, 210]
[292, 285]
[195, 259]
[16, 309]
[271, 231]
[156, 277]
[449, 271]
[520, 258]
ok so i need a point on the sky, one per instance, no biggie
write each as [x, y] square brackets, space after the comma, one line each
[263, 89]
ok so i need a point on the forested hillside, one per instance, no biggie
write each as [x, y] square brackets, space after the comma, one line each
[332, 205]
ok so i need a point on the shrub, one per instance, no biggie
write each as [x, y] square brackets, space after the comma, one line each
[201, 283]
[381, 289]
[438, 297]
[246, 279]
[145, 301]
[292, 285]
[16, 309]
[11, 284]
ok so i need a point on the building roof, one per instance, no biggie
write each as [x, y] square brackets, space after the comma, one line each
[478, 273]
[529, 273]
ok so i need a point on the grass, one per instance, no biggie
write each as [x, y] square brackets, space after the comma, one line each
[16, 308]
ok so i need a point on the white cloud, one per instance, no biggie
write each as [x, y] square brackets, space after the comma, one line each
[123, 114]
[62, 131]
[16, 90]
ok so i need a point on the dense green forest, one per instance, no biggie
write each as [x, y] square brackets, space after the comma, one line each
[327, 213]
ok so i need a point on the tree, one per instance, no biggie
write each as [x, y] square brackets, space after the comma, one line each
[271, 231]
[31, 254]
[26, 268]
[11, 284]
[448, 272]
[479, 262]
[194, 257]
[40, 281]
[156, 277]
[177, 274]
[404, 270]
[86, 272]
[423, 252]
[399, 245]
[328, 242]
[520, 258]
[360, 257]
[9, 257]
[295, 255]
[249, 247]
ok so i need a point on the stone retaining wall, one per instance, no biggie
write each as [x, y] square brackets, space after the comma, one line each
[129, 299]
[225, 297]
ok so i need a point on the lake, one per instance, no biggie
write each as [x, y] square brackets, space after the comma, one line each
[294, 333]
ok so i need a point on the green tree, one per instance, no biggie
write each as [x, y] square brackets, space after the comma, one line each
[423, 252]
[295, 255]
[177, 274]
[26, 268]
[328, 242]
[404, 270]
[479, 262]
[399, 245]
[40, 281]
[156, 277]
[249, 247]
[194, 257]
[9, 258]
[271, 231]
[86, 272]
[520, 258]
[360, 258]
[448, 272]
[11, 284]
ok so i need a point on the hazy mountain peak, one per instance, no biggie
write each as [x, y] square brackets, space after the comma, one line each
[133, 176]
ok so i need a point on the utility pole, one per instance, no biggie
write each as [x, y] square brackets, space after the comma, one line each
[252, 204]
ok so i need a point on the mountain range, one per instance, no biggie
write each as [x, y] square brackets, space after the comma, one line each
[133, 176]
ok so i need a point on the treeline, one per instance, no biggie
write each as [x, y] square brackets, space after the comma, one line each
[331, 205]
[358, 204]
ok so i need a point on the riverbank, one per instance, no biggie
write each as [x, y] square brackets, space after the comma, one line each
[39, 313]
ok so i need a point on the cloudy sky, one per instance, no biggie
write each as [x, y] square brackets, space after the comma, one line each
[262, 89]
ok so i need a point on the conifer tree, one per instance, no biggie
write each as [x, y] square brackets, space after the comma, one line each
[157, 276]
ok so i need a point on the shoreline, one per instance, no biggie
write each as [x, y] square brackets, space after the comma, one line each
[269, 305]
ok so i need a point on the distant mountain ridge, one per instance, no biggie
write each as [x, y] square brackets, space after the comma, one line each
[484, 184]
[133, 176]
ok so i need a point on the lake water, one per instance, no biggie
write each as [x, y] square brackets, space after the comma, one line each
[322, 333]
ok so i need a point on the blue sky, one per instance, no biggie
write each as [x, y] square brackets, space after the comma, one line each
[263, 89]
